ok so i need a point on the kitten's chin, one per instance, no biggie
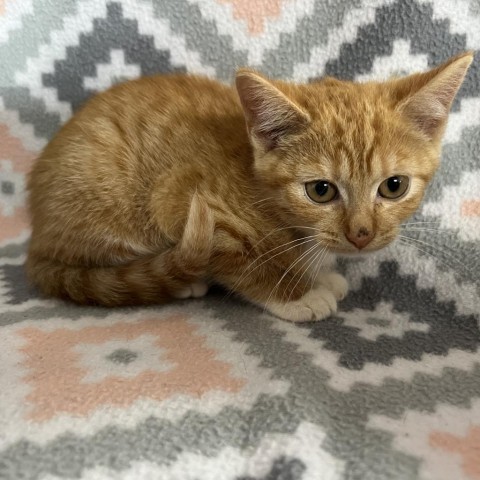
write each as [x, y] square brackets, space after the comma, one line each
[355, 252]
[347, 252]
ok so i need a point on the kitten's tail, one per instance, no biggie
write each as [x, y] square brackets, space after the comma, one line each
[147, 280]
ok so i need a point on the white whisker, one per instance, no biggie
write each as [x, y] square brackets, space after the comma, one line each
[286, 272]
[247, 272]
[320, 263]
[422, 229]
[319, 259]
[449, 255]
[298, 242]
[430, 254]
[284, 228]
[305, 269]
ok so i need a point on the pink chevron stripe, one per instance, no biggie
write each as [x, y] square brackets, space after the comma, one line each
[11, 148]
[255, 12]
[471, 208]
[468, 448]
[13, 226]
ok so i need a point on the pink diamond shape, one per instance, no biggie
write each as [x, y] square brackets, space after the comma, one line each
[55, 371]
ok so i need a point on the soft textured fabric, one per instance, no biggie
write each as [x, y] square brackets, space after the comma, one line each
[389, 388]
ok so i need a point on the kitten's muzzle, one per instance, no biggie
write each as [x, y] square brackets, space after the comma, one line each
[360, 237]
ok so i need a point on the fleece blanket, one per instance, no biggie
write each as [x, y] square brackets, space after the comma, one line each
[388, 388]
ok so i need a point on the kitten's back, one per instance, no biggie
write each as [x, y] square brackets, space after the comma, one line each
[115, 185]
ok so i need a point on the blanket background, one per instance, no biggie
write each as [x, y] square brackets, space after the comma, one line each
[215, 389]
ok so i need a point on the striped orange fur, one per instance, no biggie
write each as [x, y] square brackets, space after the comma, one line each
[162, 185]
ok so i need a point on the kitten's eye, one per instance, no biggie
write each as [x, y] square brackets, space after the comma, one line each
[321, 191]
[394, 187]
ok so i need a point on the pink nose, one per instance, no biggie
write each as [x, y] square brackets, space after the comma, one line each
[360, 238]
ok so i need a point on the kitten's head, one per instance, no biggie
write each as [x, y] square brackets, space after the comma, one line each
[350, 160]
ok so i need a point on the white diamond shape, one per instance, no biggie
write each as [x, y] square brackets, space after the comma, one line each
[398, 323]
[400, 62]
[110, 74]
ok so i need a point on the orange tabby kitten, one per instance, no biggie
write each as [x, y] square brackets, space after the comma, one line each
[163, 185]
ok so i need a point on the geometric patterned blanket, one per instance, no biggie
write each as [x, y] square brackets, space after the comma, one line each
[388, 388]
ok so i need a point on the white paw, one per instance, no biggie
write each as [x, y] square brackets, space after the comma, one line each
[334, 282]
[316, 304]
[195, 290]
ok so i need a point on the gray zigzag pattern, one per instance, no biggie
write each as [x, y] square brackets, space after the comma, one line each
[447, 249]
[18, 289]
[457, 159]
[201, 35]
[59, 309]
[404, 19]
[216, 50]
[447, 330]
[13, 250]
[35, 31]
[344, 416]
[283, 468]
[311, 31]
[114, 31]
[184, 18]
[22, 44]
[31, 110]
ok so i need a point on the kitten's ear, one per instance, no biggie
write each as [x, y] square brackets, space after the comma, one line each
[427, 97]
[270, 115]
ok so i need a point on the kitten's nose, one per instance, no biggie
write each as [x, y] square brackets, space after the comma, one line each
[360, 237]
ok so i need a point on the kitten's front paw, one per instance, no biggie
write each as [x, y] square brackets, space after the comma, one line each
[334, 282]
[316, 304]
[195, 290]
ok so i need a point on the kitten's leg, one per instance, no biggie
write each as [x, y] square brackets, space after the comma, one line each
[334, 282]
[192, 255]
[281, 286]
[316, 304]
[194, 290]
[322, 274]
[154, 278]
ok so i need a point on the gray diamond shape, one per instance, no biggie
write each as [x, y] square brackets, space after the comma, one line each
[8, 188]
[122, 355]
